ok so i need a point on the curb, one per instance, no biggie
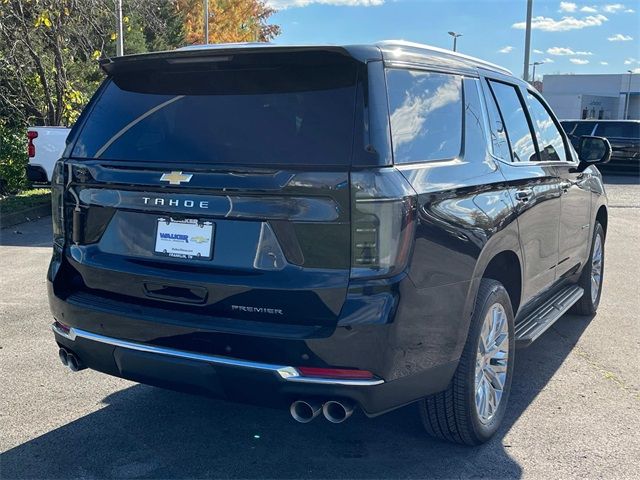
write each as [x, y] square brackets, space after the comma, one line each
[26, 215]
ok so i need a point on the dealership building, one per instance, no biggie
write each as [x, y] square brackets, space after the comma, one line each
[593, 96]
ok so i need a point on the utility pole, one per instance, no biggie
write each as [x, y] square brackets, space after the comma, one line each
[120, 42]
[206, 22]
[455, 39]
[527, 41]
[534, 64]
[626, 99]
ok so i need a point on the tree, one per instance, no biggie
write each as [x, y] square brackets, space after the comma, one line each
[49, 48]
[229, 21]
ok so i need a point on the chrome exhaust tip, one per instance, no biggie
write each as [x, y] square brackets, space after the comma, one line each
[304, 411]
[62, 353]
[337, 411]
[74, 363]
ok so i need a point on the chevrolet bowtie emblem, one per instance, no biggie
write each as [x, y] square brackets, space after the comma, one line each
[175, 178]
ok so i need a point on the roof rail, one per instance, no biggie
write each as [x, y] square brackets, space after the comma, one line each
[441, 51]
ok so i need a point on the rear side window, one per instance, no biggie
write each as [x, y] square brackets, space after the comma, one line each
[426, 115]
[513, 114]
[568, 127]
[499, 141]
[550, 141]
[618, 129]
[275, 114]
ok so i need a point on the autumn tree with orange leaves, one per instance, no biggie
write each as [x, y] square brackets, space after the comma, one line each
[229, 21]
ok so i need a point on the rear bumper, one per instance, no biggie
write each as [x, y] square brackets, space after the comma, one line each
[239, 380]
[36, 173]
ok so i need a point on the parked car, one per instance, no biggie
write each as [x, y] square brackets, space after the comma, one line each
[45, 146]
[323, 228]
[624, 136]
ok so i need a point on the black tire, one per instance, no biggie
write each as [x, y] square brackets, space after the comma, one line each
[452, 415]
[588, 304]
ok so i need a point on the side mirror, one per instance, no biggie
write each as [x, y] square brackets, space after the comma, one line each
[594, 150]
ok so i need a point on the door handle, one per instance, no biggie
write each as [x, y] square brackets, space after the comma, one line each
[524, 195]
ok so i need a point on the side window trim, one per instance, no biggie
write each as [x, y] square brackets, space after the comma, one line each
[556, 122]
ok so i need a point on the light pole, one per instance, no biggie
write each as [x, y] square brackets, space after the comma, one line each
[455, 39]
[120, 42]
[527, 41]
[206, 22]
[626, 99]
[535, 64]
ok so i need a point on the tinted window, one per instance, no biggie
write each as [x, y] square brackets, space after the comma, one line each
[499, 141]
[583, 128]
[515, 120]
[426, 115]
[618, 129]
[550, 141]
[568, 126]
[286, 114]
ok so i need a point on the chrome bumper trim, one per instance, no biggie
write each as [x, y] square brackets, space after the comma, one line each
[289, 374]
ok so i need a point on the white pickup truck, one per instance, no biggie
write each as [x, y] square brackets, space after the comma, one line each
[45, 146]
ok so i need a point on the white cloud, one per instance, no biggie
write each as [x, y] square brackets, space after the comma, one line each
[284, 4]
[589, 9]
[537, 51]
[619, 37]
[548, 24]
[629, 10]
[549, 60]
[568, 7]
[613, 7]
[631, 61]
[565, 51]
[579, 61]
[507, 49]
[636, 70]
[604, 63]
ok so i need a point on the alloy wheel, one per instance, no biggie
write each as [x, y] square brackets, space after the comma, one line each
[491, 362]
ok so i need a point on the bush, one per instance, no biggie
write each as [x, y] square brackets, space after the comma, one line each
[13, 159]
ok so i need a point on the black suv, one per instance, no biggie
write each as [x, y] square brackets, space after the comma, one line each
[322, 228]
[624, 136]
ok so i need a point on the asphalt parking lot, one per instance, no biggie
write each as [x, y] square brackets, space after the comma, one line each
[574, 409]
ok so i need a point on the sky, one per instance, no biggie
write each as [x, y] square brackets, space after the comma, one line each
[570, 37]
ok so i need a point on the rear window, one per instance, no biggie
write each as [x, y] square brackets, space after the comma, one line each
[618, 129]
[271, 114]
[426, 115]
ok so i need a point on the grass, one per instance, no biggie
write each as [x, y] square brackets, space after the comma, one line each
[24, 200]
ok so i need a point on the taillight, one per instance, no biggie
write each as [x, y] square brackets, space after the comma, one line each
[31, 148]
[57, 203]
[383, 219]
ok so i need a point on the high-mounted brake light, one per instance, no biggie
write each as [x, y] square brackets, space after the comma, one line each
[31, 148]
[383, 219]
[335, 373]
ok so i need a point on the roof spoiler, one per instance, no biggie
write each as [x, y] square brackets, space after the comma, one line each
[208, 54]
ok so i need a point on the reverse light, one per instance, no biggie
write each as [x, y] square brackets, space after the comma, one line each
[335, 373]
[383, 220]
[31, 148]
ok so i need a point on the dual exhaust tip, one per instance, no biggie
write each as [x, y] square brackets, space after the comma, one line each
[336, 411]
[70, 360]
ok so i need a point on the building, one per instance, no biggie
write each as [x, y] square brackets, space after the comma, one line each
[593, 96]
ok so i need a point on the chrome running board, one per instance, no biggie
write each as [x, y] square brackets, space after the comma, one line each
[538, 321]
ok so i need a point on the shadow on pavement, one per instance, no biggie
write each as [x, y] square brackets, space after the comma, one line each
[31, 234]
[148, 432]
[618, 179]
